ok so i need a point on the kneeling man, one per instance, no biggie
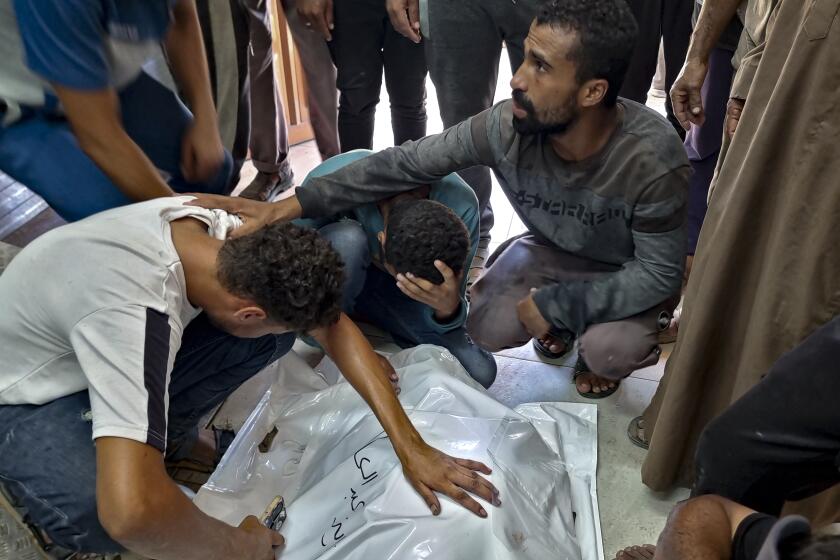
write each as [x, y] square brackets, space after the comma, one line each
[130, 326]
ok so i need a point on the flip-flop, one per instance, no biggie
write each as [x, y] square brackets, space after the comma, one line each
[636, 433]
[543, 350]
[565, 337]
[580, 369]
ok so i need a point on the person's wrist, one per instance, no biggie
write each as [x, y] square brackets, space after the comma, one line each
[447, 311]
[407, 443]
[285, 210]
[697, 60]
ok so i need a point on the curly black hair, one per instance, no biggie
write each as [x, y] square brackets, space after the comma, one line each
[289, 271]
[422, 231]
[607, 33]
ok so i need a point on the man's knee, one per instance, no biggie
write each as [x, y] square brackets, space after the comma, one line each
[612, 353]
[484, 327]
[75, 528]
[349, 240]
[481, 365]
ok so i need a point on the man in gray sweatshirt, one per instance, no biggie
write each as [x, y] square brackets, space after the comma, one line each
[600, 182]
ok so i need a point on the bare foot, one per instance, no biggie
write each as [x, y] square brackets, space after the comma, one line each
[553, 345]
[644, 552]
[590, 383]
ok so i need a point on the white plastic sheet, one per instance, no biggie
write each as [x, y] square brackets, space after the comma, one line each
[345, 491]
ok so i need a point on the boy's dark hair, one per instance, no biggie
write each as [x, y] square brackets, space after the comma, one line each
[289, 271]
[422, 231]
[607, 33]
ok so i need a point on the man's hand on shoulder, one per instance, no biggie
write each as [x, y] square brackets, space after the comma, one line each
[255, 214]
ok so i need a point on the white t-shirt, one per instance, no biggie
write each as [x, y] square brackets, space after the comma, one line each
[101, 305]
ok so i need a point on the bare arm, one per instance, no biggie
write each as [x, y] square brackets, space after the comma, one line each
[426, 468]
[202, 151]
[685, 95]
[142, 509]
[95, 119]
[701, 529]
[714, 17]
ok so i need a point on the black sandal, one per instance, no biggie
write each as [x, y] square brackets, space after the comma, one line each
[580, 369]
[566, 337]
[636, 433]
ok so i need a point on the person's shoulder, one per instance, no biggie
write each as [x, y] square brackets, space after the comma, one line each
[653, 134]
[654, 152]
[335, 163]
[454, 192]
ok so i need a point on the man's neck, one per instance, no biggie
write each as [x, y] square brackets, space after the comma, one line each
[198, 252]
[588, 135]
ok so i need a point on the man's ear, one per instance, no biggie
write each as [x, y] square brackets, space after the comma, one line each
[250, 313]
[593, 92]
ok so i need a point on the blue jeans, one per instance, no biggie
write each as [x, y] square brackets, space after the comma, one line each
[47, 457]
[42, 152]
[372, 294]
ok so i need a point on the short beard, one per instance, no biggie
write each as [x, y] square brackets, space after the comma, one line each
[531, 125]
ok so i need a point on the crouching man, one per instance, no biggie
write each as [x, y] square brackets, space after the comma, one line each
[130, 326]
[404, 261]
[599, 181]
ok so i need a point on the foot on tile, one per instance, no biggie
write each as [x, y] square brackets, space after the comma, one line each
[266, 186]
[590, 385]
[636, 432]
[555, 344]
[594, 386]
[644, 552]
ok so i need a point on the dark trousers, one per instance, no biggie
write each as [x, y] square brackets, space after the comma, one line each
[463, 48]
[670, 22]
[780, 441]
[702, 143]
[613, 350]
[47, 457]
[364, 43]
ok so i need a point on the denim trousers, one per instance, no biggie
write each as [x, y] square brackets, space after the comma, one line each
[42, 152]
[47, 456]
[372, 295]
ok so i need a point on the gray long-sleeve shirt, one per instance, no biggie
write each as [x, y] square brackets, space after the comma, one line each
[625, 206]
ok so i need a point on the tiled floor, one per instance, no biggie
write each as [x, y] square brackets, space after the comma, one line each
[630, 513]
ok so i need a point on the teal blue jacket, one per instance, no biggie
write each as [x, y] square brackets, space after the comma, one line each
[451, 191]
